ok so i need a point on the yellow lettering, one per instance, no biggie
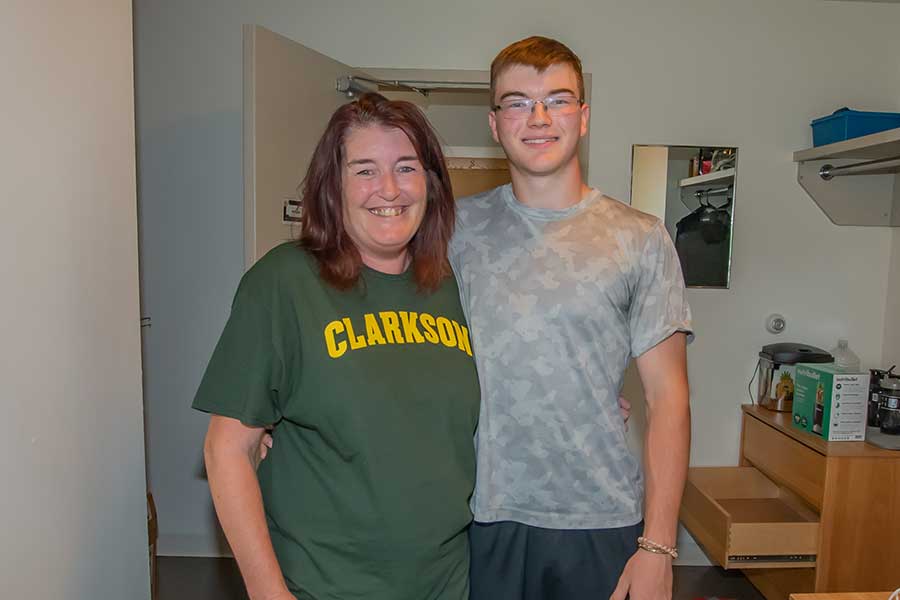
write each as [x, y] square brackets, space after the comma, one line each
[465, 336]
[445, 330]
[335, 349]
[410, 329]
[462, 336]
[373, 332]
[356, 341]
[427, 322]
[391, 327]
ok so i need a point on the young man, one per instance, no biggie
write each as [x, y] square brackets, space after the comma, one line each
[562, 285]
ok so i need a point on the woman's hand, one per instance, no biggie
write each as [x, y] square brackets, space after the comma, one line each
[624, 407]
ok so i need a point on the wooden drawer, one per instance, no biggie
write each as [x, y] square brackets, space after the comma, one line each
[744, 521]
[785, 460]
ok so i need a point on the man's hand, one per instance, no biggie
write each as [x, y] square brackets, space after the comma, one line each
[264, 444]
[647, 576]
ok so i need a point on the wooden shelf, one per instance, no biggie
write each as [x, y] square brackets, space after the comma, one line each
[714, 177]
[871, 199]
[884, 144]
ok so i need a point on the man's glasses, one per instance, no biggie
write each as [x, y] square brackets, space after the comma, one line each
[518, 108]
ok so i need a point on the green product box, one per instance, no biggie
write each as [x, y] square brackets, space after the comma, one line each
[830, 402]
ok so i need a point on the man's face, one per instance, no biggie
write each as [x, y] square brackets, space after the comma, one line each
[541, 142]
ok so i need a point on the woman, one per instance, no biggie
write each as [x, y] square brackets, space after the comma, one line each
[353, 345]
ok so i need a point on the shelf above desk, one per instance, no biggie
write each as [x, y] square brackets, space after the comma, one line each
[884, 144]
[850, 193]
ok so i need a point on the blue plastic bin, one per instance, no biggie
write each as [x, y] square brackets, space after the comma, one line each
[844, 124]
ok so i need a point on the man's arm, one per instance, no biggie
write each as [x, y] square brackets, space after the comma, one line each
[231, 452]
[663, 372]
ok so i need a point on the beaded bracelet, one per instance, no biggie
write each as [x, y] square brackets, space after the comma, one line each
[656, 548]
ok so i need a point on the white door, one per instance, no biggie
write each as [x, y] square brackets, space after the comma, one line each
[289, 95]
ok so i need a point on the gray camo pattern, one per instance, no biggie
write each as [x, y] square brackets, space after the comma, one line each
[557, 302]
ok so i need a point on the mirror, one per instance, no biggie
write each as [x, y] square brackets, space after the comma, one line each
[691, 189]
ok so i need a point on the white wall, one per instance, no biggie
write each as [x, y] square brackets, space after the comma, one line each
[73, 503]
[891, 352]
[770, 67]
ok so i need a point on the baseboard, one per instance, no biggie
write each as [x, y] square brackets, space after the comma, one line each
[192, 545]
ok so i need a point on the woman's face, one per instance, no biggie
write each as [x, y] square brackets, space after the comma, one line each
[384, 195]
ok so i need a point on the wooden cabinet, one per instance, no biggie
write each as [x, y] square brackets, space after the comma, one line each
[799, 514]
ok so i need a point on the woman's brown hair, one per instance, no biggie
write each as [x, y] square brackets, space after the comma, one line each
[322, 228]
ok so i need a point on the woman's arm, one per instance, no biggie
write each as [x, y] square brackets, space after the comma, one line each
[231, 451]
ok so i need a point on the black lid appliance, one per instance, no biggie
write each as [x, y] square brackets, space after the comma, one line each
[776, 372]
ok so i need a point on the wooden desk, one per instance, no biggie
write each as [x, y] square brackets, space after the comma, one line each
[812, 516]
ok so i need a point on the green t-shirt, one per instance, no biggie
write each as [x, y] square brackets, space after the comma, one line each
[374, 397]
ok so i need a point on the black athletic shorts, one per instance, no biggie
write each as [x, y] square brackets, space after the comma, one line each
[513, 561]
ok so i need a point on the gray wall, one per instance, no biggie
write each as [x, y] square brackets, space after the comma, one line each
[772, 66]
[73, 504]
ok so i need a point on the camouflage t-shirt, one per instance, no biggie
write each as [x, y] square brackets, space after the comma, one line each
[557, 302]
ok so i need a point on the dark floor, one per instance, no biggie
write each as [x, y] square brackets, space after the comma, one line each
[182, 578]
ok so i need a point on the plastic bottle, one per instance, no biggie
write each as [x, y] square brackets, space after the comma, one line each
[844, 358]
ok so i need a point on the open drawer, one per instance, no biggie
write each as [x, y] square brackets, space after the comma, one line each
[744, 521]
